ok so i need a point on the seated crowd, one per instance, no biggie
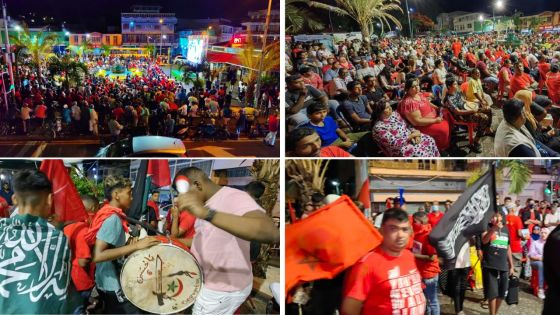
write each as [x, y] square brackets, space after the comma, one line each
[399, 98]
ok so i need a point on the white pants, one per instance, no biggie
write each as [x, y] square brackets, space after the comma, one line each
[210, 302]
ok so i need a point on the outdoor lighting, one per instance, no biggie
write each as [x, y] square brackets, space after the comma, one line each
[378, 24]
[210, 27]
[88, 36]
[67, 33]
[17, 28]
[499, 4]
[480, 18]
[164, 37]
[160, 21]
[2, 177]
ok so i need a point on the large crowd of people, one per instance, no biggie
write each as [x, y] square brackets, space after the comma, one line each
[417, 97]
[216, 223]
[404, 274]
[134, 96]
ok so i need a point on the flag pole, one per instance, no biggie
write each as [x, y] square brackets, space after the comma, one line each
[493, 169]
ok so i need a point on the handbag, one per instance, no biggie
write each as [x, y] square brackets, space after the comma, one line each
[512, 296]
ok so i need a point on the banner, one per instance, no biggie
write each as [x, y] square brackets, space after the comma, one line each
[159, 171]
[328, 241]
[467, 217]
[34, 268]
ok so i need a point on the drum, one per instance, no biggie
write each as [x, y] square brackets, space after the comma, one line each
[162, 279]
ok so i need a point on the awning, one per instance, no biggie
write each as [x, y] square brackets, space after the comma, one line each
[222, 57]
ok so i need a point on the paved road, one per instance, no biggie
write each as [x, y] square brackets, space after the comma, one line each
[528, 304]
[89, 147]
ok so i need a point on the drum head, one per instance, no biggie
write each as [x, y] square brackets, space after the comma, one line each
[162, 279]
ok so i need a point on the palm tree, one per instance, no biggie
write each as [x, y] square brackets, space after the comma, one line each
[86, 47]
[365, 12]
[151, 50]
[38, 46]
[106, 50]
[250, 59]
[299, 18]
[518, 171]
[71, 69]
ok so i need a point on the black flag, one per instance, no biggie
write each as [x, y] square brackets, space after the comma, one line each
[468, 216]
[139, 192]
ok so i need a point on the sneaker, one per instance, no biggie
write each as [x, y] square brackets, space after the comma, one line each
[541, 294]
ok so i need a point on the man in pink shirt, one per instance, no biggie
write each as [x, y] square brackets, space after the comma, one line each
[227, 220]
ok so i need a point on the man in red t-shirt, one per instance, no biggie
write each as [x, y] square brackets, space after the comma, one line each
[435, 215]
[386, 281]
[182, 225]
[514, 226]
[521, 81]
[553, 83]
[426, 259]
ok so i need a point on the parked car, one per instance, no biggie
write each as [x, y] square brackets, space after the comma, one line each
[180, 60]
[144, 146]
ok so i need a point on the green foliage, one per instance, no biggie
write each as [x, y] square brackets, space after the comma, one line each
[517, 171]
[74, 71]
[86, 186]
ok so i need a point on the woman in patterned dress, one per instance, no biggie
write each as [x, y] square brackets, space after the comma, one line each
[396, 137]
[422, 114]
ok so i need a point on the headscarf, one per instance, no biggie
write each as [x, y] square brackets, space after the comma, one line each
[527, 98]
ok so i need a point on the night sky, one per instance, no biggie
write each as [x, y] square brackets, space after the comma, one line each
[101, 13]
[527, 6]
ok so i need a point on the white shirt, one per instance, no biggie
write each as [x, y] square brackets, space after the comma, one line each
[552, 218]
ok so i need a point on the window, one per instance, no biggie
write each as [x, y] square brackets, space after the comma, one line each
[469, 25]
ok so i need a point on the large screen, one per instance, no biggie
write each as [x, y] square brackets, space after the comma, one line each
[196, 49]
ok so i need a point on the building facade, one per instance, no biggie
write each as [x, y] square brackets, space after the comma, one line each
[96, 39]
[445, 20]
[257, 23]
[466, 23]
[148, 25]
[544, 21]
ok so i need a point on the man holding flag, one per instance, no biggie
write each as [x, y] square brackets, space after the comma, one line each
[227, 220]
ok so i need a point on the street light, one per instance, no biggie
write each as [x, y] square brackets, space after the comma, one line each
[408, 14]
[18, 30]
[497, 5]
[161, 35]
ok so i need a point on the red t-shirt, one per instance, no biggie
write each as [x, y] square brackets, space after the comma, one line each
[83, 278]
[385, 284]
[186, 222]
[334, 151]
[514, 224]
[428, 269]
[520, 82]
[41, 111]
[4, 207]
[434, 217]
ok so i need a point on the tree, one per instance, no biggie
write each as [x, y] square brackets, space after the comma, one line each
[250, 58]
[299, 18]
[86, 186]
[151, 50]
[85, 47]
[38, 46]
[72, 70]
[365, 13]
[422, 22]
[517, 170]
[106, 50]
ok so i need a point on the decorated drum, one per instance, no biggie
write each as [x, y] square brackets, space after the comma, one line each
[162, 279]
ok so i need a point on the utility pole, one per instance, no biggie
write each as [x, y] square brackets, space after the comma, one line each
[8, 48]
[258, 86]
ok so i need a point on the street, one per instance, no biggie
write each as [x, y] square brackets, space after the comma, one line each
[89, 148]
[528, 303]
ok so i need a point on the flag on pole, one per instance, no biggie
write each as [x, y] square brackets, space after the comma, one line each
[467, 217]
[35, 268]
[140, 191]
[364, 197]
[67, 204]
[328, 241]
[159, 171]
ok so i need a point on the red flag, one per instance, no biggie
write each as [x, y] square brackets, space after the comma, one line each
[159, 171]
[363, 196]
[67, 203]
[327, 242]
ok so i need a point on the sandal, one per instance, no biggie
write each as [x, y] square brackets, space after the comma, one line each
[484, 304]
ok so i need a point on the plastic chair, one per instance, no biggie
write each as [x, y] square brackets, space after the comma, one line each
[471, 126]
